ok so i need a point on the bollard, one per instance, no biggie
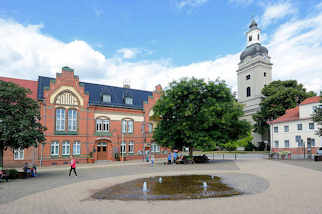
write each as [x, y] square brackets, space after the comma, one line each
[223, 156]
[213, 155]
[235, 157]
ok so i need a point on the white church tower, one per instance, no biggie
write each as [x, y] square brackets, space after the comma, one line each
[254, 72]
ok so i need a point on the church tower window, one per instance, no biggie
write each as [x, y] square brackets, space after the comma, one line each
[250, 38]
[248, 92]
[248, 77]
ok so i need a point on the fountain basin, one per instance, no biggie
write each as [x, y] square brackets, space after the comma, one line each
[171, 188]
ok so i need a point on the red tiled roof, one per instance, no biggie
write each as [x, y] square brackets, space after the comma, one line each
[290, 114]
[293, 113]
[310, 100]
[31, 84]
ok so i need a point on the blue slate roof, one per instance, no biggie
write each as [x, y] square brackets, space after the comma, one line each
[96, 92]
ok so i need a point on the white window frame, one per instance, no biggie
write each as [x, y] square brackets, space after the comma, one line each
[102, 125]
[276, 144]
[155, 147]
[127, 126]
[60, 119]
[128, 100]
[130, 126]
[131, 147]
[310, 126]
[76, 148]
[123, 148]
[54, 149]
[106, 98]
[18, 154]
[286, 143]
[275, 129]
[298, 126]
[286, 128]
[72, 120]
[65, 148]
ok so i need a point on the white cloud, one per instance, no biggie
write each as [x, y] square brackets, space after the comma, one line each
[128, 53]
[190, 3]
[26, 52]
[277, 11]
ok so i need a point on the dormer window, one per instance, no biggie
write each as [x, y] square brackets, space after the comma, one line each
[106, 98]
[128, 100]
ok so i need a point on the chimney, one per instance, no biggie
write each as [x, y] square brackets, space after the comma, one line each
[126, 84]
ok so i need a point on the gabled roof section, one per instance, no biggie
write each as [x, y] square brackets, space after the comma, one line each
[290, 115]
[310, 100]
[96, 91]
[31, 84]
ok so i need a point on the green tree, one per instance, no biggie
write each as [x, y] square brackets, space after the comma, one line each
[317, 116]
[19, 118]
[278, 96]
[197, 114]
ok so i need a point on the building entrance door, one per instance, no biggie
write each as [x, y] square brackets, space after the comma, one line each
[102, 151]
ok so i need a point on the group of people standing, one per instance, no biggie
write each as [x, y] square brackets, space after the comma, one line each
[172, 158]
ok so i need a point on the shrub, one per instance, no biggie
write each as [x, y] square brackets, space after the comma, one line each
[12, 173]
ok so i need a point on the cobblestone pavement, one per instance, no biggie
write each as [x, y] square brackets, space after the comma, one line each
[289, 190]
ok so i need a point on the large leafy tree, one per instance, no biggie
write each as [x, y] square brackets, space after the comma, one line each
[278, 96]
[19, 118]
[317, 116]
[198, 114]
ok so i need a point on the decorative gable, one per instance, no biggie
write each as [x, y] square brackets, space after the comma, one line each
[66, 98]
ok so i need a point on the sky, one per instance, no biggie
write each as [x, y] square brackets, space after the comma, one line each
[150, 42]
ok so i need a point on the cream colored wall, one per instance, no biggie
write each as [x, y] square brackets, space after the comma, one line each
[281, 136]
[306, 111]
[120, 116]
[63, 88]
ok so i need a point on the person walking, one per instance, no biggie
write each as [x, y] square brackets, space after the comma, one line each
[72, 166]
[169, 158]
[152, 160]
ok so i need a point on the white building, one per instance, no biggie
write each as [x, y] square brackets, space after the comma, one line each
[295, 130]
[254, 72]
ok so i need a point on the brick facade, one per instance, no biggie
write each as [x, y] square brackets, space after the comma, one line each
[66, 92]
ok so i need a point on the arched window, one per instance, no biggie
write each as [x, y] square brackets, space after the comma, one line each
[250, 38]
[258, 36]
[66, 148]
[248, 93]
[102, 125]
[72, 120]
[60, 119]
[127, 126]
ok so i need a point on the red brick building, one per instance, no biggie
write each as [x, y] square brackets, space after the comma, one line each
[90, 121]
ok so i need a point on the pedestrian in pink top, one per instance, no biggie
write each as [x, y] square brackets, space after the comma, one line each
[72, 166]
